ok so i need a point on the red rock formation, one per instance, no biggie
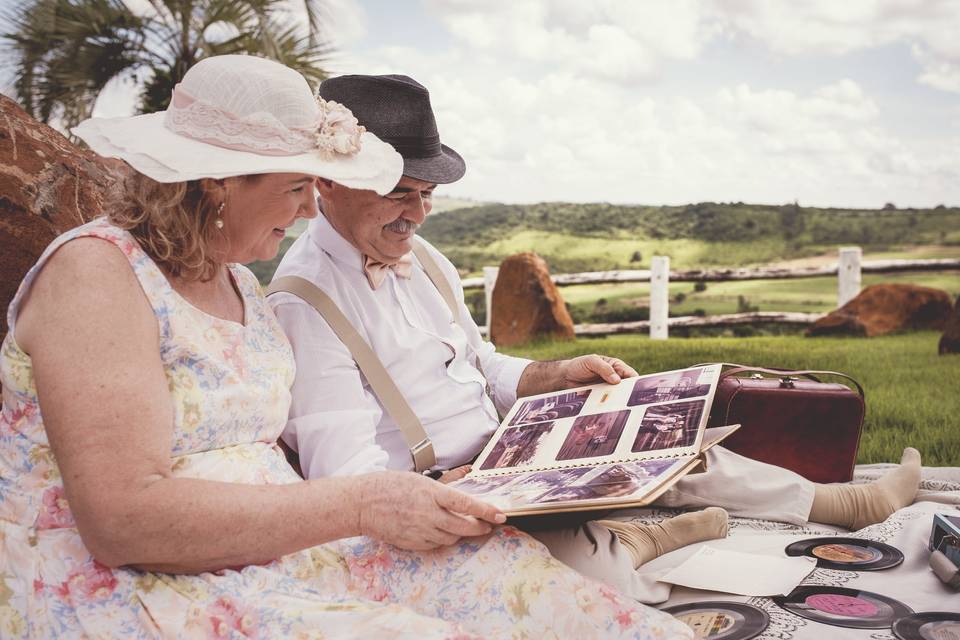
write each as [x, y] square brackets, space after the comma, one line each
[47, 186]
[526, 304]
[884, 308]
[950, 340]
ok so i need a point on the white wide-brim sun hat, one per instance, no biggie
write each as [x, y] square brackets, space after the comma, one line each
[241, 115]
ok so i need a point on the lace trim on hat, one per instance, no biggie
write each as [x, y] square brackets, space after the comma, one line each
[336, 132]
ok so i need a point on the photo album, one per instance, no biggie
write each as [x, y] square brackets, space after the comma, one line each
[598, 447]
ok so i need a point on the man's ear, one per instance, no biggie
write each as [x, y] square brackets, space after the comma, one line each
[325, 186]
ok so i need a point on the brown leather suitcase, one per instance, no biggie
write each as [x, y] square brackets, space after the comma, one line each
[792, 420]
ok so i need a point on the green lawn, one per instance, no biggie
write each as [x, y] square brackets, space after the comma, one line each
[913, 395]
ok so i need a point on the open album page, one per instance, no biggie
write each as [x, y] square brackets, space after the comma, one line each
[654, 416]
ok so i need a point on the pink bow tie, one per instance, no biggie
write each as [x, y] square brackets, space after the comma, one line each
[376, 271]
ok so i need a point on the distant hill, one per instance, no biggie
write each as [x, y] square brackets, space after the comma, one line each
[598, 236]
[582, 237]
[442, 204]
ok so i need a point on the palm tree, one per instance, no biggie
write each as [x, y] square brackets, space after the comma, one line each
[66, 51]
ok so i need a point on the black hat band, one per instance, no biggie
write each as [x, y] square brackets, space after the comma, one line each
[415, 146]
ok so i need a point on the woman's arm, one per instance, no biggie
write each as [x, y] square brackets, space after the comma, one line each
[93, 341]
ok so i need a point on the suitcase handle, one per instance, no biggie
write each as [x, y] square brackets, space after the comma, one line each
[810, 373]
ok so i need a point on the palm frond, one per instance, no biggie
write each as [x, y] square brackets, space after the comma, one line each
[69, 51]
[66, 51]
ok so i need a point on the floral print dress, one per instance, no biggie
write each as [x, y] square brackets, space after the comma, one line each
[229, 384]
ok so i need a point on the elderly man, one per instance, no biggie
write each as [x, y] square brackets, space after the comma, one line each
[386, 290]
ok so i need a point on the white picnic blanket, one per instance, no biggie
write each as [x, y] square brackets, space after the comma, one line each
[912, 583]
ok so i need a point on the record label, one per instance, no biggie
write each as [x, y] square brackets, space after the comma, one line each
[708, 624]
[940, 631]
[721, 620]
[843, 607]
[847, 554]
[932, 625]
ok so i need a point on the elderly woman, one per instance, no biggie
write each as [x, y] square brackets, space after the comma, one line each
[145, 381]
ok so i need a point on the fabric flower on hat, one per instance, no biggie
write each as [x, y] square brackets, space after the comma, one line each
[339, 131]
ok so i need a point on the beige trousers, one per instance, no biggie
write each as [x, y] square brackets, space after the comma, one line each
[742, 486]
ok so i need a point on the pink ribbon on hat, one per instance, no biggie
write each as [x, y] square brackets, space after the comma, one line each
[376, 271]
[336, 130]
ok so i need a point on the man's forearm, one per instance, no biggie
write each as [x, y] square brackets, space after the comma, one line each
[556, 375]
[542, 377]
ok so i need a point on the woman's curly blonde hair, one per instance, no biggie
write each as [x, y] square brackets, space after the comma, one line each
[173, 222]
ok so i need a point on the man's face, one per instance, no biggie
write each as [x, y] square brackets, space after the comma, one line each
[381, 227]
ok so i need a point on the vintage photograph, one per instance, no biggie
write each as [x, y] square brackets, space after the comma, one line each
[483, 486]
[529, 487]
[610, 481]
[668, 426]
[594, 435]
[561, 405]
[678, 385]
[517, 447]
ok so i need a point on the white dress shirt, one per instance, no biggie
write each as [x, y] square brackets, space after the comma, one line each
[336, 423]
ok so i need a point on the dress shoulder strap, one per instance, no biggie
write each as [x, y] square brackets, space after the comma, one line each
[152, 280]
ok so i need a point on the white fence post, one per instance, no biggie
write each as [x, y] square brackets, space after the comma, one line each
[489, 281]
[659, 296]
[848, 274]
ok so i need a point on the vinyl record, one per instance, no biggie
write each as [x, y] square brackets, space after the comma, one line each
[847, 554]
[933, 625]
[843, 607]
[721, 620]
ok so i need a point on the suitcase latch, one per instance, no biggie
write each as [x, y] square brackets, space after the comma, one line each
[786, 382]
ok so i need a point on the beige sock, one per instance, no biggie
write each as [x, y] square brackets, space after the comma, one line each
[648, 541]
[855, 506]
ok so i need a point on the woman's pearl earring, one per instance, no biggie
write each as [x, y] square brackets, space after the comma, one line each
[219, 221]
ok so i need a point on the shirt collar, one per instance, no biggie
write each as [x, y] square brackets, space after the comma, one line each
[329, 240]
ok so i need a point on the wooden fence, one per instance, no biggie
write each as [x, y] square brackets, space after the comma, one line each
[848, 269]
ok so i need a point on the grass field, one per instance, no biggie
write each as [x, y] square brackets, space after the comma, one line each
[684, 252]
[913, 395]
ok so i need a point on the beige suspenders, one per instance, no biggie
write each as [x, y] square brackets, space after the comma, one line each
[436, 276]
[380, 381]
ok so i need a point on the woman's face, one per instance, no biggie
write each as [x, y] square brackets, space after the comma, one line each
[259, 209]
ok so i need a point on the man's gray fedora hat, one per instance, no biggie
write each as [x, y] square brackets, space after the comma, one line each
[397, 110]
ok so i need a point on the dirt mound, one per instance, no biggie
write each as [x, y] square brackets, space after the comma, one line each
[885, 308]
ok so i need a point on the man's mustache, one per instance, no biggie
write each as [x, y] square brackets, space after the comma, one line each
[401, 225]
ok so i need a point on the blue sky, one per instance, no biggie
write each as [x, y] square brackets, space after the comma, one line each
[852, 103]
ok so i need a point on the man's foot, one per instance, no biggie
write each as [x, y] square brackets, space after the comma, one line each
[648, 541]
[855, 506]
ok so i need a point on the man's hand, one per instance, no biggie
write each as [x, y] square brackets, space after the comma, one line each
[411, 511]
[591, 369]
[545, 377]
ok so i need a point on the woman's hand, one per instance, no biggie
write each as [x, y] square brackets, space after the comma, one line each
[452, 475]
[413, 512]
[591, 369]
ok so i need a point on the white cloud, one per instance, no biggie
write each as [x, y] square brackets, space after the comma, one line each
[607, 38]
[569, 136]
[930, 27]
[628, 41]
